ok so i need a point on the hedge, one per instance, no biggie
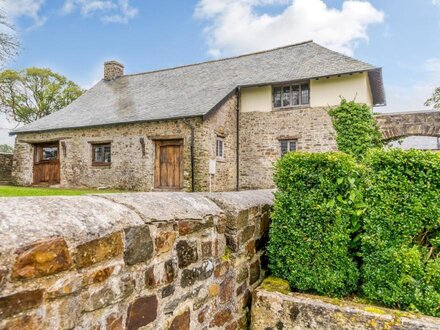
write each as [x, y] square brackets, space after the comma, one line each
[315, 221]
[401, 243]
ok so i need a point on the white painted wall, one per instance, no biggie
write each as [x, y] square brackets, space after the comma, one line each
[256, 99]
[323, 92]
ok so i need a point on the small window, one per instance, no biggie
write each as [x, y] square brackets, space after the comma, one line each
[291, 95]
[220, 148]
[287, 146]
[102, 154]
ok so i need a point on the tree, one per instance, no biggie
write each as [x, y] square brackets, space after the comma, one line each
[33, 93]
[6, 148]
[434, 100]
[9, 44]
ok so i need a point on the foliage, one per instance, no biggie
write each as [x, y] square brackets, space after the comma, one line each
[316, 222]
[434, 100]
[401, 243]
[6, 148]
[356, 128]
[33, 93]
[9, 44]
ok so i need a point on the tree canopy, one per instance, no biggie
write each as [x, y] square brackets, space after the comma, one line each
[32, 93]
[434, 100]
[6, 148]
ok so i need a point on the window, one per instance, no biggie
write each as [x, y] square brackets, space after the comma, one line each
[220, 147]
[287, 146]
[46, 153]
[101, 154]
[291, 95]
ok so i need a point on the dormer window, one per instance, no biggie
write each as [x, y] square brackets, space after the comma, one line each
[291, 95]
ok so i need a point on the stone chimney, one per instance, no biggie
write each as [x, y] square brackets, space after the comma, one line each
[113, 70]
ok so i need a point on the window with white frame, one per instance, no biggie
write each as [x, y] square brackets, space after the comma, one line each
[287, 146]
[291, 95]
[220, 147]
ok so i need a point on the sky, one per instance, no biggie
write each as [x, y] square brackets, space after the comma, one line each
[75, 37]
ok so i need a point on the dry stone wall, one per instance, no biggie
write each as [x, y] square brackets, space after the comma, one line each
[5, 167]
[130, 261]
[274, 307]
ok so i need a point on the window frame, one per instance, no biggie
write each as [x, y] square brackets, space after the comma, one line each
[220, 139]
[101, 145]
[298, 84]
[289, 142]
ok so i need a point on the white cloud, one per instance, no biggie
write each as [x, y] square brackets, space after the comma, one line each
[29, 8]
[109, 11]
[412, 98]
[436, 2]
[239, 26]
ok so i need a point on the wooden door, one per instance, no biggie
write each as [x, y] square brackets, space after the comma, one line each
[47, 163]
[168, 165]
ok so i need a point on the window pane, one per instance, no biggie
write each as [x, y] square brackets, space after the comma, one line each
[286, 96]
[277, 97]
[292, 145]
[305, 94]
[98, 154]
[219, 148]
[50, 153]
[107, 154]
[283, 147]
[295, 95]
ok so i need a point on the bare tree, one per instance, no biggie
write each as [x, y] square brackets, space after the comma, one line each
[9, 44]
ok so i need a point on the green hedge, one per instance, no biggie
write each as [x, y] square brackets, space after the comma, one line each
[401, 243]
[315, 220]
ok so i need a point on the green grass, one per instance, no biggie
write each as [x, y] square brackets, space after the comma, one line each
[11, 191]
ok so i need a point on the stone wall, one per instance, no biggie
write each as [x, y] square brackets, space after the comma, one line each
[260, 135]
[5, 167]
[132, 165]
[274, 307]
[403, 124]
[125, 261]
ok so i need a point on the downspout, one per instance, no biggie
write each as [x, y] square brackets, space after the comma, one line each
[237, 156]
[193, 182]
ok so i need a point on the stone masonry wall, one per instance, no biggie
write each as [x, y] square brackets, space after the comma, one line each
[5, 167]
[274, 307]
[260, 135]
[129, 261]
[132, 167]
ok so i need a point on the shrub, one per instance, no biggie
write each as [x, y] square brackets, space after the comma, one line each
[356, 128]
[316, 222]
[401, 243]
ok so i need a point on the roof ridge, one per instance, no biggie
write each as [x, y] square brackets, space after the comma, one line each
[219, 60]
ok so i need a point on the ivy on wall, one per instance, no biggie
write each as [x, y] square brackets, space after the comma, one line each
[356, 129]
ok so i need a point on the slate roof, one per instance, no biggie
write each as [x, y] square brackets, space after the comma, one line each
[195, 90]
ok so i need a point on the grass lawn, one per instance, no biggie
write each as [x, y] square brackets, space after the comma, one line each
[11, 191]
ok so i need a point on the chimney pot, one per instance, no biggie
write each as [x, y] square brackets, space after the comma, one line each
[113, 70]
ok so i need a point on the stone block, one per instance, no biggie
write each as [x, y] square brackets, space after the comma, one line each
[206, 250]
[141, 312]
[242, 274]
[150, 278]
[65, 286]
[247, 234]
[182, 321]
[19, 302]
[138, 245]
[221, 318]
[186, 253]
[168, 291]
[227, 290]
[114, 322]
[42, 259]
[99, 250]
[170, 271]
[25, 322]
[98, 276]
[165, 241]
[192, 226]
[191, 276]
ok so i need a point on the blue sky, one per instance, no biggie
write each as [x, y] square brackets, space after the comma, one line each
[75, 37]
